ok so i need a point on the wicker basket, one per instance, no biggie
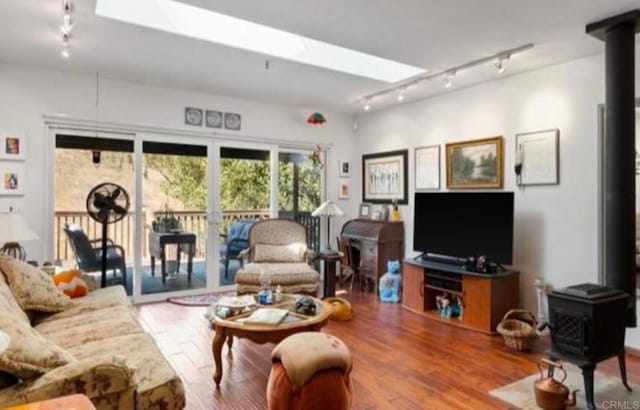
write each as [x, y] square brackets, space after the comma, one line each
[518, 327]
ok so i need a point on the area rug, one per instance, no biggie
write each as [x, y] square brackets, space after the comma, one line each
[608, 391]
[205, 299]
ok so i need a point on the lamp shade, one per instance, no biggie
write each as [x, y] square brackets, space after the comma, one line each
[328, 208]
[14, 228]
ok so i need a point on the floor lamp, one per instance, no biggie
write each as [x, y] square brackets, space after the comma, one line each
[14, 230]
[328, 209]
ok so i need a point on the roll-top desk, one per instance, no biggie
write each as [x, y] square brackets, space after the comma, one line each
[378, 242]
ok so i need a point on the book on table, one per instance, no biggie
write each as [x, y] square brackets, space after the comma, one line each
[267, 316]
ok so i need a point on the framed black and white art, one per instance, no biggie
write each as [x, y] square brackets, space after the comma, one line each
[384, 177]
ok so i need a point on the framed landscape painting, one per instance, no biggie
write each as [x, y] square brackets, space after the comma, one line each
[475, 164]
[384, 177]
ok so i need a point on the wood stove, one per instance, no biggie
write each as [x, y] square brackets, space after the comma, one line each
[588, 324]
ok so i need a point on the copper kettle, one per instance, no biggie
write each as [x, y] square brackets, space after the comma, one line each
[550, 393]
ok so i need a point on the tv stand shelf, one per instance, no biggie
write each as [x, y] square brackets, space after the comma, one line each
[485, 297]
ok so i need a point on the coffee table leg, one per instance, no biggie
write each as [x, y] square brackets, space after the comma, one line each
[218, 342]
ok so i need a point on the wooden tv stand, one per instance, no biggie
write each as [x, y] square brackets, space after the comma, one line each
[486, 297]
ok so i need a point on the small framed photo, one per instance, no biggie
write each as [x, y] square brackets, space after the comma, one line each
[193, 116]
[345, 169]
[13, 147]
[365, 211]
[343, 192]
[12, 179]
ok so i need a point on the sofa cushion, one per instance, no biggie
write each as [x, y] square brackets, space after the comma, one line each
[32, 288]
[104, 298]
[157, 384]
[8, 303]
[279, 253]
[29, 353]
[280, 273]
[91, 326]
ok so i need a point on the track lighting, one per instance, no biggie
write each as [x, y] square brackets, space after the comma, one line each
[401, 94]
[448, 79]
[447, 75]
[65, 28]
[64, 52]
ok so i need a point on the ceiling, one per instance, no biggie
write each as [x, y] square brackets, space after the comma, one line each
[432, 34]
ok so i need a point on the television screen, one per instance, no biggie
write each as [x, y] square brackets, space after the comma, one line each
[464, 224]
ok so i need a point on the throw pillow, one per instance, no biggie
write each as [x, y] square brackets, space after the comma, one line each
[32, 288]
[279, 253]
[29, 353]
[70, 283]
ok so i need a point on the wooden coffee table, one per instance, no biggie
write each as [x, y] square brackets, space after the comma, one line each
[232, 326]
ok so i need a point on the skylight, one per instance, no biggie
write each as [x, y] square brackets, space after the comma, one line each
[186, 20]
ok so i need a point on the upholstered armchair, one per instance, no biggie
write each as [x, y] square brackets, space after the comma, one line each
[278, 247]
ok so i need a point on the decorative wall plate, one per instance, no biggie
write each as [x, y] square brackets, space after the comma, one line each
[213, 119]
[193, 116]
[232, 121]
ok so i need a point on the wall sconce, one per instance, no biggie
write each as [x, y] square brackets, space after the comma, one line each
[95, 157]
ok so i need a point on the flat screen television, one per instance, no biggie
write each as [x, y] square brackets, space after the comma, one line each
[460, 225]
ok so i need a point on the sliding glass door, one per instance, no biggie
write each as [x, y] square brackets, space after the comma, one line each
[192, 201]
[244, 195]
[174, 209]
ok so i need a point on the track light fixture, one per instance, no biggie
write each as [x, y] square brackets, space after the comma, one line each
[448, 79]
[447, 75]
[401, 94]
[65, 28]
[367, 104]
[64, 52]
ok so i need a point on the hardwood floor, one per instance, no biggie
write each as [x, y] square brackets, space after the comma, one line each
[401, 360]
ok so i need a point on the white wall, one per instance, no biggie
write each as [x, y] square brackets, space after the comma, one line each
[26, 94]
[555, 233]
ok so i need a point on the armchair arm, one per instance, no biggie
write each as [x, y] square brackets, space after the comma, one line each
[94, 377]
[99, 241]
[310, 256]
[119, 248]
[244, 254]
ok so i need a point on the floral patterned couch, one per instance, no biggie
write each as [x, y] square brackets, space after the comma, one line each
[278, 248]
[91, 345]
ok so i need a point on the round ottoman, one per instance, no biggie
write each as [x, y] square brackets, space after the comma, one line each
[310, 371]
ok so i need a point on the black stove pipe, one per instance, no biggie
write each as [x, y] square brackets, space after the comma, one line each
[618, 34]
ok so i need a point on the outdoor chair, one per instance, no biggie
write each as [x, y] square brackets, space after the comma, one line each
[88, 253]
[234, 241]
[278, 249]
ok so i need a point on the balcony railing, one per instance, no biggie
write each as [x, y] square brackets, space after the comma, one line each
[192, 221]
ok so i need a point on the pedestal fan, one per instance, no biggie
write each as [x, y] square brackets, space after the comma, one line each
[107, 203]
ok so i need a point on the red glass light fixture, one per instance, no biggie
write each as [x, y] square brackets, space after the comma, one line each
[316, 119]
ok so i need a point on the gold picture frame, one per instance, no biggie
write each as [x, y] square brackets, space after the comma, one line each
[475, 164]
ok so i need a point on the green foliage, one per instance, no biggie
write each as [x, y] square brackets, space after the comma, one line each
[488, 165]
[462, 166]
[244, 183]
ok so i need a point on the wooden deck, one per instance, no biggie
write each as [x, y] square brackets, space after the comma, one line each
[401, 360]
